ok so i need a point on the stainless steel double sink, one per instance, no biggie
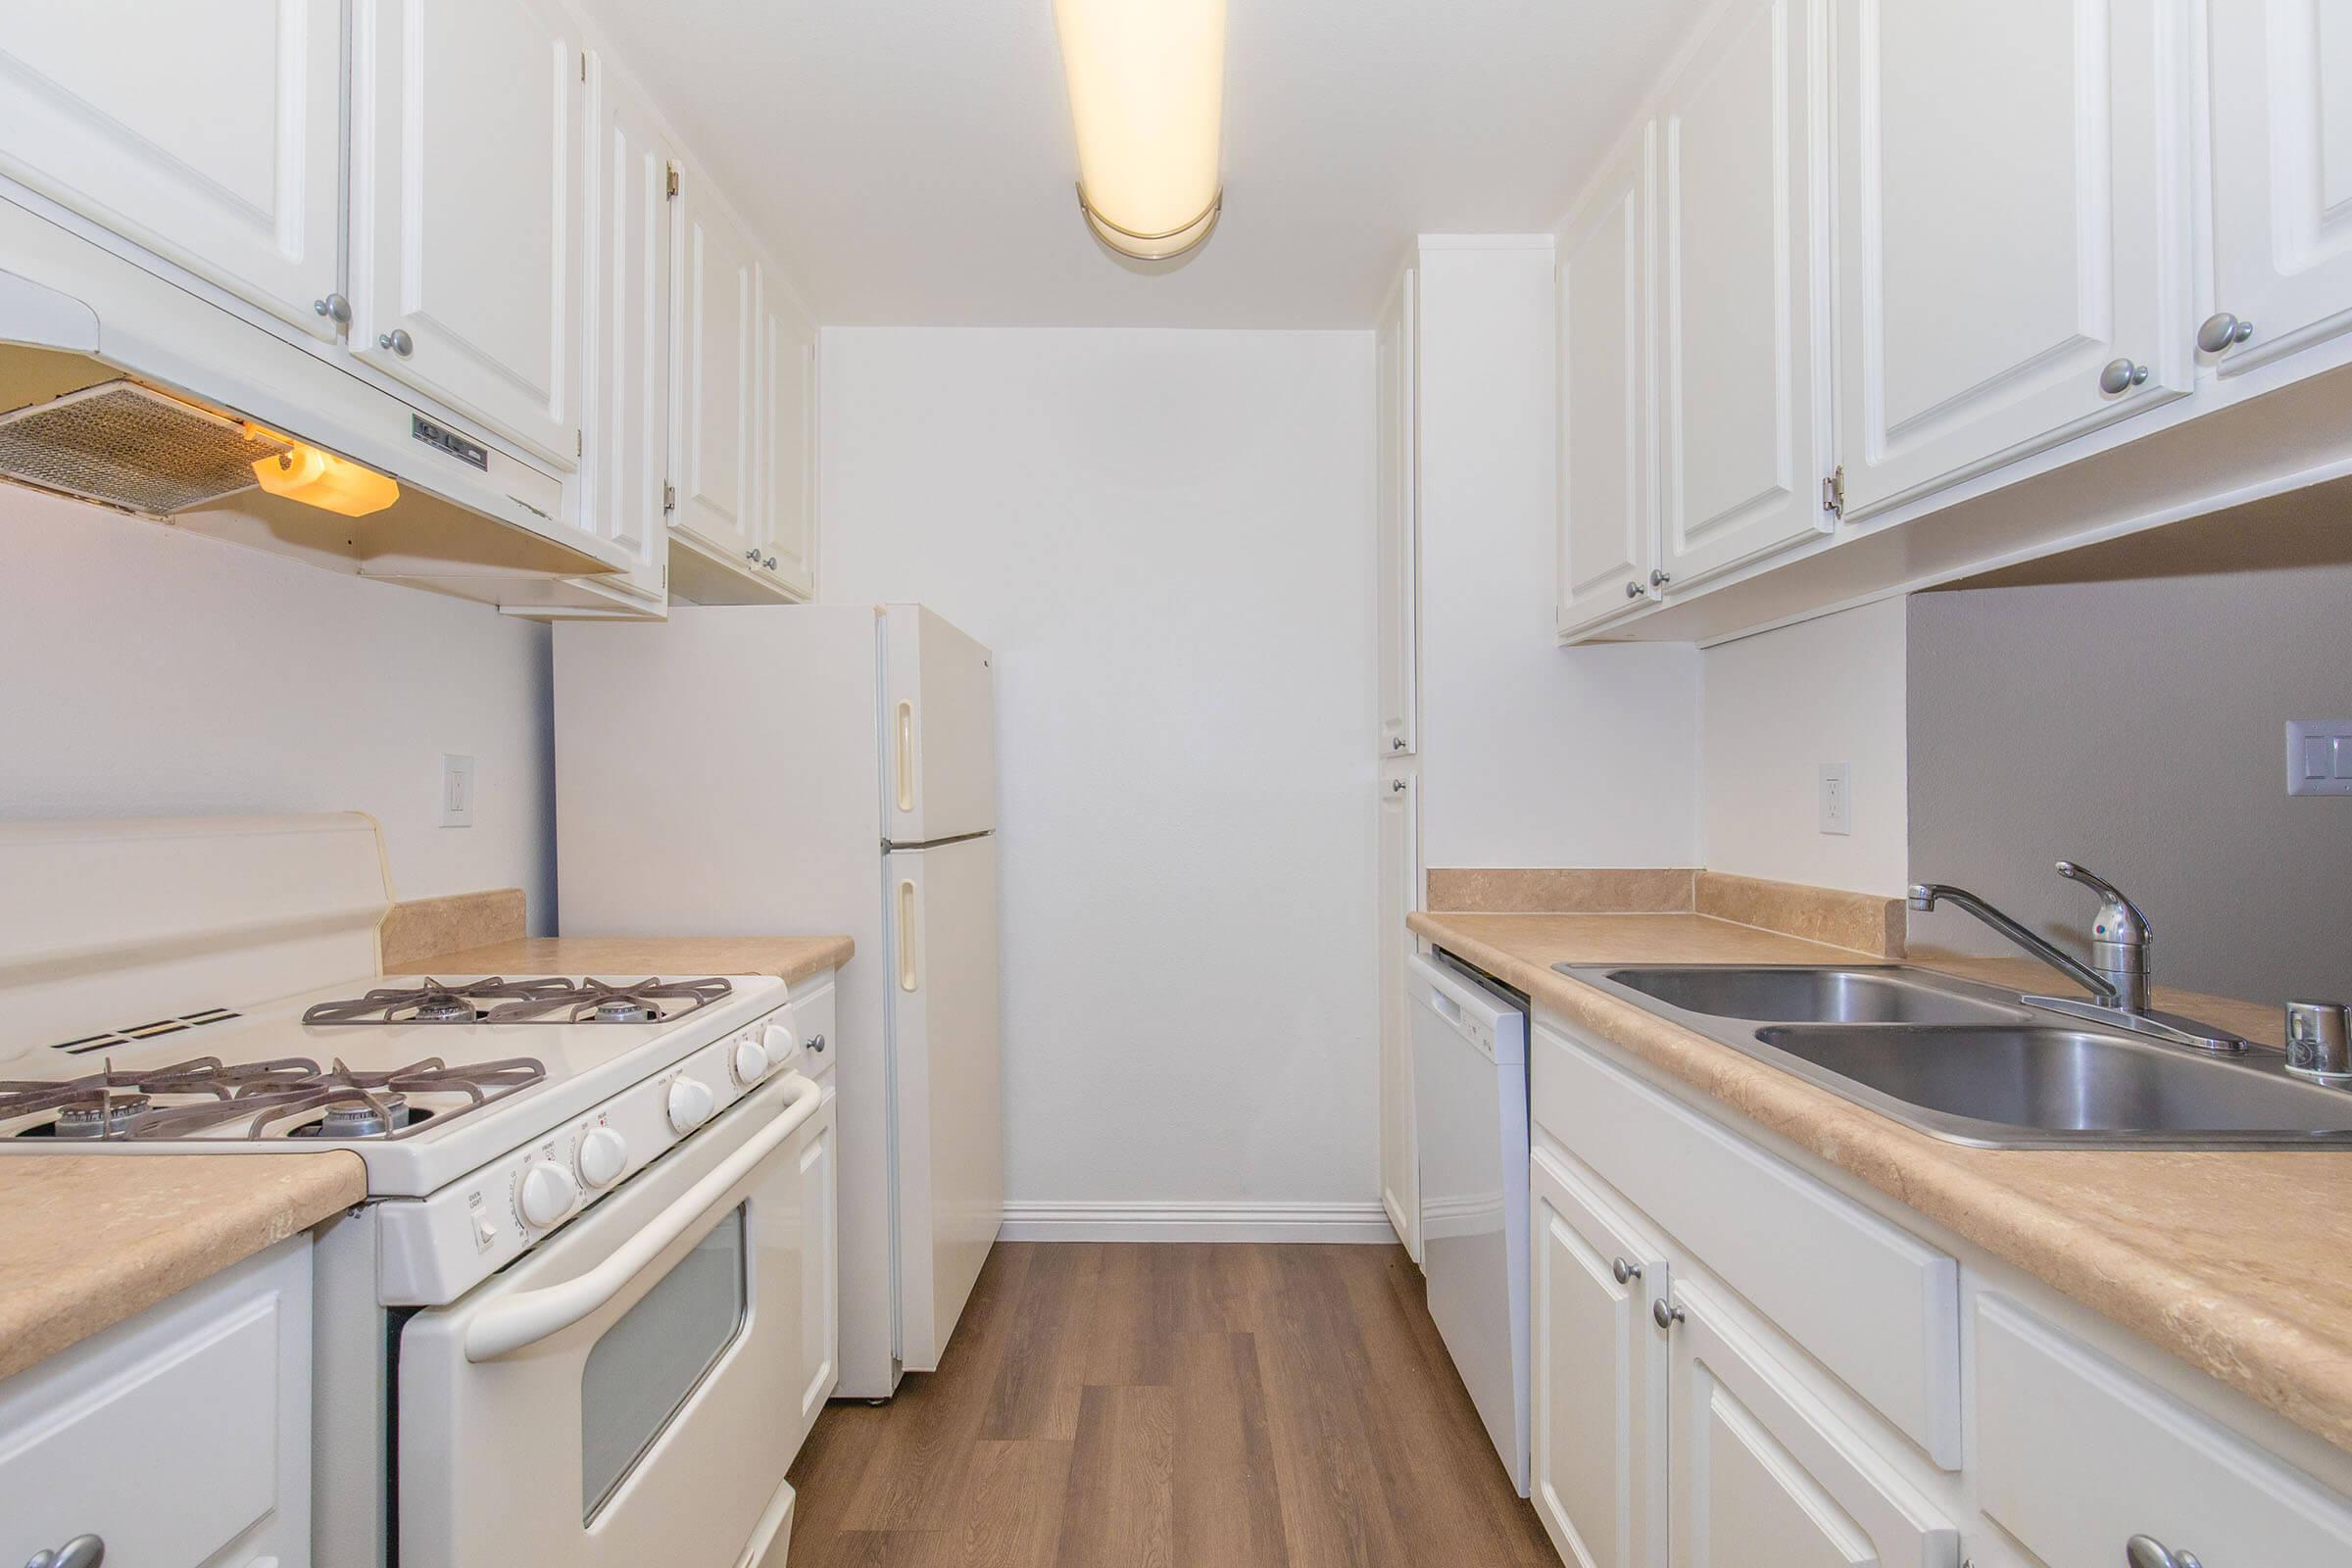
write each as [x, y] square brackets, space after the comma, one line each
[1973, 1064]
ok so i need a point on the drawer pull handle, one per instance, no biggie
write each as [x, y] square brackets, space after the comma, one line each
[816, 1043]
[2146, 1551]
[1626, 1272]
[1666, 1317]
[82, 1551]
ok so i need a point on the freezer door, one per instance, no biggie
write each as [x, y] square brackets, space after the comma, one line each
[942, 981]
[939, 734]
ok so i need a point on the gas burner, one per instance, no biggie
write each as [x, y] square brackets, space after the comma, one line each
[433, 1001]
[602, 1001]
[278, 1097]
[106, 1116]
[366, 1117]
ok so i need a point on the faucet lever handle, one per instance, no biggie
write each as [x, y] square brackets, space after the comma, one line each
[2129, 924]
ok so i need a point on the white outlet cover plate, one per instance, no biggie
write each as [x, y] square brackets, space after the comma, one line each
[1837, 798]
[2318, 756]
[457, 790]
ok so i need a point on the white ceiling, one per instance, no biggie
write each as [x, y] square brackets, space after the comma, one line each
[912, 160]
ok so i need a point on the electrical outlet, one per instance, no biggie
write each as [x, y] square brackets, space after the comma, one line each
[2318, 756]
[1838, 797]
[457, 790]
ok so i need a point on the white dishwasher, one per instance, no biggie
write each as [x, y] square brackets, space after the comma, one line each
[1470, 1122]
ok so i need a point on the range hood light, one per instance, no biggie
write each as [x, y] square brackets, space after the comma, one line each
[323, 480]
[1147, 81]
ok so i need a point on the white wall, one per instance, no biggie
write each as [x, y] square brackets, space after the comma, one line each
[1166, 537]
[1778, 706]
[152, 672]
[1533, 755]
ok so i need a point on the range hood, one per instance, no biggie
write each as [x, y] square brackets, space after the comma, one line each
[119, 386]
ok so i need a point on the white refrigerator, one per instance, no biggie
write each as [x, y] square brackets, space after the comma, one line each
[789, 769]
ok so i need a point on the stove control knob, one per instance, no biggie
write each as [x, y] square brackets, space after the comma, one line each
[779, 1039]
[548, 1193]
[748, 1061]
[603, 1156]
[689, 1103]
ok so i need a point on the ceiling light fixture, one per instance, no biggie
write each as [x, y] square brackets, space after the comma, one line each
[1147, 80]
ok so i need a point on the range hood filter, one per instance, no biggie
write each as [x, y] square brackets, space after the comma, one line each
[133, 447]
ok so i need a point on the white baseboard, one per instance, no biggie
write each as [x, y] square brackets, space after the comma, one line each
[1198, 1222]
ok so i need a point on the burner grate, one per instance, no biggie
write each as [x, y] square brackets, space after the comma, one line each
[539, 1000]
[212, 1097]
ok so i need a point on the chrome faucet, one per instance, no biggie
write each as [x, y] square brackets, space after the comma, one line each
[2119, 969]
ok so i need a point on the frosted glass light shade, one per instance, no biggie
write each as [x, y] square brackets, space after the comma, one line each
[1147, 80]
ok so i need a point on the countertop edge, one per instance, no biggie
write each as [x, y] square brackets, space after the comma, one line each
[803, 956]
[2232, 1339]
[46, 1311]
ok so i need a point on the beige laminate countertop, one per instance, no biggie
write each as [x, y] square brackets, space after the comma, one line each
[88, 1241]
[789, 958]
[2240, 1263]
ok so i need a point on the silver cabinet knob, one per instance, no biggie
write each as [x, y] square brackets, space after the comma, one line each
[2146, 1551]
[1657, 578]
[1395, 786]
[1397, 743]
[82, 1551]
[1633, 590]
[335, 307]
[816, 1043]
[1663, 1314]
[769, 562]
[750, 555]
[398, 341]
[1626, 1272]
[2223, 331]
[2121, 376]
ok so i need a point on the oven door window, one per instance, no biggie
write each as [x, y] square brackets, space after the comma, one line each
[650, 1362]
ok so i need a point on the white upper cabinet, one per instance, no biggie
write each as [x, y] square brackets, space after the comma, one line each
[1396, 516]
[2013, 221]
[627, 406]
[210, 134]
[1743, 286]
[2282, 172]
[1607, 533]
[466, 233]
[786, 488]
[714, 407]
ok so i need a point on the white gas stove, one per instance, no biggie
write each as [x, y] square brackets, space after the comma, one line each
[587, 1312]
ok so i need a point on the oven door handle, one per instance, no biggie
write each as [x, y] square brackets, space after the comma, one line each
[503, 1326]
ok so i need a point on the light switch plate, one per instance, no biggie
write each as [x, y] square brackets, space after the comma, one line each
[1838, 797]
[2318, 756]
[457, 790]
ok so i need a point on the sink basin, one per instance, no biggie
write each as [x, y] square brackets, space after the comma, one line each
[2056, 1080]
[1812, 995]
[1975, 1064]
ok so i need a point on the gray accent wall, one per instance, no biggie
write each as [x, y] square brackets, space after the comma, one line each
[2139, 728]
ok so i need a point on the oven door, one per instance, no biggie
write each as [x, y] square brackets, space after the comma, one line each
[628, 1391]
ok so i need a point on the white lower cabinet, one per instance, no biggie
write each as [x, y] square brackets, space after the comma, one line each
[1399, 882]
[1598, 1439]
[1762, 1475]
[1691, 1407]
[180, 1439]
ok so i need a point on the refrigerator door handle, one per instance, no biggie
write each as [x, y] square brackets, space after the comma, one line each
[906, 757]
[906, 974]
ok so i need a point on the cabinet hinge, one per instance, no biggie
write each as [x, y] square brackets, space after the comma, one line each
[579, 443]
[583, 65]
[669, 499]
[673, 182]
[1833, 493]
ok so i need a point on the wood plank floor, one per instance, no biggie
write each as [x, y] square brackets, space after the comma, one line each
[1171, 1406]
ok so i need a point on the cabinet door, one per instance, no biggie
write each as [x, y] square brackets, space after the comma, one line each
[467, 240]
[1608, 525]
[1597, 1452]
[821, 1279]
[1743, 282]
[2282, 172]
[786, 485]
[627, 406]
[717, 312]
[1763, 1475]
[1396, 524]
[210, 134]
[2012, 213]
[1400, 893]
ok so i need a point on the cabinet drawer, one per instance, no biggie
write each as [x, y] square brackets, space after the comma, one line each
[813, 1019]
[171, 1435]
[1873, 1303]
[2134, 1461]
